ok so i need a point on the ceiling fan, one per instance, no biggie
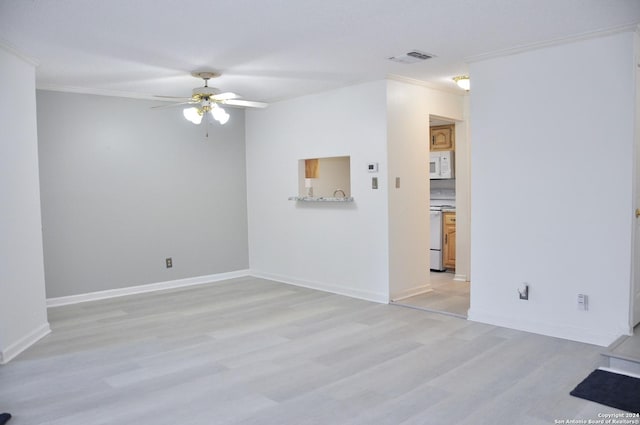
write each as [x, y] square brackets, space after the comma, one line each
[208, 100]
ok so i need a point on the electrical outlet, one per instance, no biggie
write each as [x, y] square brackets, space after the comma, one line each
[523, 291]
[169, 262]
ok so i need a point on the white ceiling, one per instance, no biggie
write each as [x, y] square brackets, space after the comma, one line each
[275, 49]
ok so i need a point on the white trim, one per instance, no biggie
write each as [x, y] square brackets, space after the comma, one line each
[4, 45]
[23, 343]
[635, 172]
[548, 43]
[460, 278]
[139, 289]
[619, 372]
[326, 287]
[407, 293]
[559, 331]
[454, 89]
[99, 92]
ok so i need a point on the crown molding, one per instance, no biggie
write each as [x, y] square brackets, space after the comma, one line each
[98, 92]
[6, 46]
[635, 27]
[427, 84]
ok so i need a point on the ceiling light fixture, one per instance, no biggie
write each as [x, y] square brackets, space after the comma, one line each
[195, 114]
[219, 114]
[463, 82]
[207, 101]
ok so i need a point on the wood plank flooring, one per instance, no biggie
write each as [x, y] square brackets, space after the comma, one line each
[630, 347]
[447, 296]
[252, 351]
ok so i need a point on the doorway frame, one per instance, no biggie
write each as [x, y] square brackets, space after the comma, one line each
[634, 290]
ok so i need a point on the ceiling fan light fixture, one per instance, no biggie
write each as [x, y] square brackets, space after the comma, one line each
[207, 100]
[219, 114]
[223, 120]
[463, 82]
[193, 114]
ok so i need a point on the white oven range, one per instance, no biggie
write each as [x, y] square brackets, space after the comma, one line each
[441, 200]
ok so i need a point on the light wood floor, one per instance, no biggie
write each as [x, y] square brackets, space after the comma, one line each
[251, 351]
[630, 347]
[448, 296]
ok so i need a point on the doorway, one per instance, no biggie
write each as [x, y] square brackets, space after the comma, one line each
[449, 289]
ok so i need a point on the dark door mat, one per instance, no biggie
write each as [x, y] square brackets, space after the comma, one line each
[610, 389]
[4, 418]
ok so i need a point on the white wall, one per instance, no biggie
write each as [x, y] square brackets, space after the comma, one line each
[408, 110]
[463, 197]
[551, 188]
[23, 314]
[343, 247]
[124, 186]
[376, 248]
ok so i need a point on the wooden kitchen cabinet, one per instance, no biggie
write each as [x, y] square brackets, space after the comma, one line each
[311, 168]
[443, 138]
[449, 240]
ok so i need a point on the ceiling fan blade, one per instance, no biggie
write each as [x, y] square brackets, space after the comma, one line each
[172, 97]
[225, 96]
[173, 105]
[245, 103]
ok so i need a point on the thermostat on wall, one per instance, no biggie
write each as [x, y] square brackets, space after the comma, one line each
[372, 167]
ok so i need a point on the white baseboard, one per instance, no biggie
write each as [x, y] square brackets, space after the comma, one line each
[23, 343]
[620, 372]
[139, 289]
[320, 286]
[559, 331]
[460, 277]
[423, 289]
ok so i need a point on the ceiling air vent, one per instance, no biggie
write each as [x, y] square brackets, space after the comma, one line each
[412, 57]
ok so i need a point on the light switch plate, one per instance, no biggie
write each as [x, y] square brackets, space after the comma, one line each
[583, 302]
[374, 182]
